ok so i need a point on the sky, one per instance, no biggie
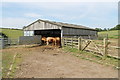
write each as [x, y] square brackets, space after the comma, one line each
[90, 14]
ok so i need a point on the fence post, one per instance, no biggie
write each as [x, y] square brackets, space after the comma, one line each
[63, 42]
[72, 42]
[105, 47]
[79, 43]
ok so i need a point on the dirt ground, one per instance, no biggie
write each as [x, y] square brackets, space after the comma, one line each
[51, 62]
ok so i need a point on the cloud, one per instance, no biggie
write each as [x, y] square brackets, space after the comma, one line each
[60, 0]
[32, 15]
[85, 13]
[15, 22]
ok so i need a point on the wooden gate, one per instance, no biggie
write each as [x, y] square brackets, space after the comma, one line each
[100, 47]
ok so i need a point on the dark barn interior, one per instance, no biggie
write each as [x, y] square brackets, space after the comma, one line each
[48, 33]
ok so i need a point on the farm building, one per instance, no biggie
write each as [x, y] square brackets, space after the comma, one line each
[47, 28]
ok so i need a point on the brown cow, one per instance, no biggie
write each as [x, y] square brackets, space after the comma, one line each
[44, 39]
[51, 40]
[54, 40]
[57, 41]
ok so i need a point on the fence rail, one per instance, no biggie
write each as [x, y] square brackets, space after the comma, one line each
[103, 48]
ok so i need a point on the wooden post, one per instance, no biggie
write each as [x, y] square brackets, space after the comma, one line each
[63, 42]
[72, 42]
[79, 43]
[105, 47]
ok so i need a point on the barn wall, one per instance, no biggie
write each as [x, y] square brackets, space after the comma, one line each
[40, 25]
[79, 32]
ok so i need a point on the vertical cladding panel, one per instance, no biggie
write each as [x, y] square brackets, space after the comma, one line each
[38, 25]
[85, 32]
[64, 31]
[88, 32]
[46, 26]
[72, 31]
[42, 25]
[69, 30]
[35, 26]
[55, 27]
[28, 28]
[31, 27]
[81, 32]
[91, 32]
[77, 31]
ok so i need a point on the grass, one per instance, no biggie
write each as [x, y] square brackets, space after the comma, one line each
[111, 34]
[109, 61]
[12, 33]
[7, 60]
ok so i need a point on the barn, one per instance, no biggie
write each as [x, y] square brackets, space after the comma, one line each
[47, 28]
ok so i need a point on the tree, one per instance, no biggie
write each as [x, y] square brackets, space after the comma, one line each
[117, 27]
[98, 29]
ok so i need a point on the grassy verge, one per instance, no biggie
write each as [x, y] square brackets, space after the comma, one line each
[7, 61]
[108, 61]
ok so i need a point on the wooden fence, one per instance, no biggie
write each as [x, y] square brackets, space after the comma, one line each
[102, 48]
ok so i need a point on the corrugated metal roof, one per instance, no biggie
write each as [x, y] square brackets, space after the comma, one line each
[62, 24]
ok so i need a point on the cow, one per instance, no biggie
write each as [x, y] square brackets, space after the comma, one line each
[44, 39]
[50, 40]
[57, 41]
[54, 40]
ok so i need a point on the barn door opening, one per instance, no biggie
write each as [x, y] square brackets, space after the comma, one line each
[54, 33]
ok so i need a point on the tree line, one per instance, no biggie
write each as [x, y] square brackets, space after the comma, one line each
[117, 27]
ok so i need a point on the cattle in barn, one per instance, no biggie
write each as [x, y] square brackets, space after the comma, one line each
[57, 41]
[54, 40]
[44, 40]
[51, 40]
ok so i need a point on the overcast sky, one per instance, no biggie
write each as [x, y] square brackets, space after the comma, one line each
[91, 14]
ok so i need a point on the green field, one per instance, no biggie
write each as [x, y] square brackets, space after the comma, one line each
[111, 34]
[12, 33]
